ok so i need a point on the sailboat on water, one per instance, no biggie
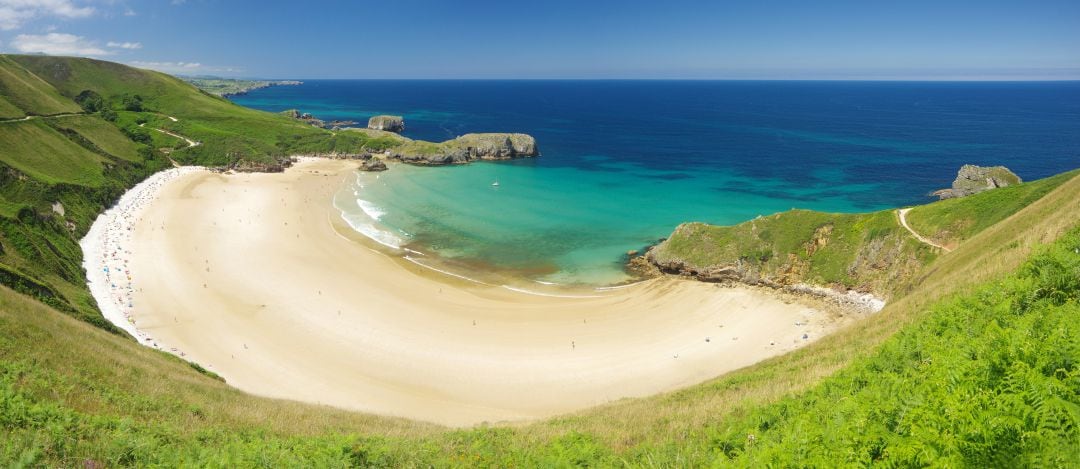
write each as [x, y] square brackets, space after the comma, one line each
[496, 183]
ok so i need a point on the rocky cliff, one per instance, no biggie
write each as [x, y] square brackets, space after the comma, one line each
[387, 123]
[973, 179]
[846, 252]
[466, 148]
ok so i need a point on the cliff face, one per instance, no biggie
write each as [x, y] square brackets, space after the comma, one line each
[469, 147]
[973, 179]
[863, 252]
[388, 123]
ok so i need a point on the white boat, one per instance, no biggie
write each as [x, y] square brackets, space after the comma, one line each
[496, 183]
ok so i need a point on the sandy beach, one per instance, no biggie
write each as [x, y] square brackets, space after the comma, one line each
[257, 278]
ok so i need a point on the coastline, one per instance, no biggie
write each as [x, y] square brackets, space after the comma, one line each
[335, 319]
[106, 252]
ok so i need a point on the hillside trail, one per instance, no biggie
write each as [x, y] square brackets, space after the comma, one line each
[33, 117]
[190, 142]
[902, 213]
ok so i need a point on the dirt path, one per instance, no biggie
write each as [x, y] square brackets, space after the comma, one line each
[28, 118]
[902, 213]
[190, 142]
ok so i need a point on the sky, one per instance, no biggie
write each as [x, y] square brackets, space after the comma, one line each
[539, 39]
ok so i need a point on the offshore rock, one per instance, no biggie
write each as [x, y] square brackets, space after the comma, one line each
[373, 164]
[973, 179]
[388, 123]
[466, 148]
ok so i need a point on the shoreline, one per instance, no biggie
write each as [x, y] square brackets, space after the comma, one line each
[106, 252]
[334, 319]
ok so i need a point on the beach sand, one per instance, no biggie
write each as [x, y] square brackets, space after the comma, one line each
[257, 278]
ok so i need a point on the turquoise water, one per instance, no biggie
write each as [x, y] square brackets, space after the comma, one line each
[624, 162]
[559, 225]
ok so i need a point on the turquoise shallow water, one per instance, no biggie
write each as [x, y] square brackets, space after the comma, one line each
[624, 162]
[559, 225]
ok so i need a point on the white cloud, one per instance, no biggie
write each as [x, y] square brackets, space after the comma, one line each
[184, 68]
[124, 45]
[13, 13]
[168, 67]
[129, 12]
[57, 44]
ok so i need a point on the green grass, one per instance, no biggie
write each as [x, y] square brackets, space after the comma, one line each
[227, 86]
[28, 93]
[988, 379]
[228, 132]
[8, 208]
[951, 221]
[864, 251]
[41, 152]
[984, 378]
[72, 392]
[102, 134]
[8, 110]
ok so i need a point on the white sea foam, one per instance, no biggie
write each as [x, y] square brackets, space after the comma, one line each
[365, 227]
[446, 272]
[371, 209]
[619, 287]
[529, 292]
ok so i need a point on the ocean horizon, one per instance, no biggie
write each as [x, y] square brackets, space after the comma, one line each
[623, 162]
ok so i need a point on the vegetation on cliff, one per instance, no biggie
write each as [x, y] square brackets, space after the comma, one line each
[984, 377]
[230, 87]
[75, 133]
[972, 363]
[869, 252]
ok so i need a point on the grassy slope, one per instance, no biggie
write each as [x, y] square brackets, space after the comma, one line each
[28, 94]
[70, 392]
[228, 132]
[8, 110]
[41, 152]
[867, 251]
[103, 134]
[85, 162]
[951, 221]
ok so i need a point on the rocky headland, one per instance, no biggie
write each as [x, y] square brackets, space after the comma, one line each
[461, 150]
[394, 124]
[973, 179]
[466, 148]
[226, 87]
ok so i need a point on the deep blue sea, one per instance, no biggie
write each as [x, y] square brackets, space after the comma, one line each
[624, 162]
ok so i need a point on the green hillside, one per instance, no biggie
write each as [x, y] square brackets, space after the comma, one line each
[977, 372]
[91, 133]
[864, 251]
[24, 93]
[974, 361]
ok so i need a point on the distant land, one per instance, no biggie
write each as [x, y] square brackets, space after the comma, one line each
[225, 87]
[971, 363]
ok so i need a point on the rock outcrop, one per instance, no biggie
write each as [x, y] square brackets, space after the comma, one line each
[388, 123]
[373, 164]
[466, 148]
[973, 179]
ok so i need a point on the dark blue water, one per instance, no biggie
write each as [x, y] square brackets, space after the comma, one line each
[634, 158]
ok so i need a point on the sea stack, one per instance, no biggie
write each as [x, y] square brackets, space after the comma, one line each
[394, 124]
[973, 179]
